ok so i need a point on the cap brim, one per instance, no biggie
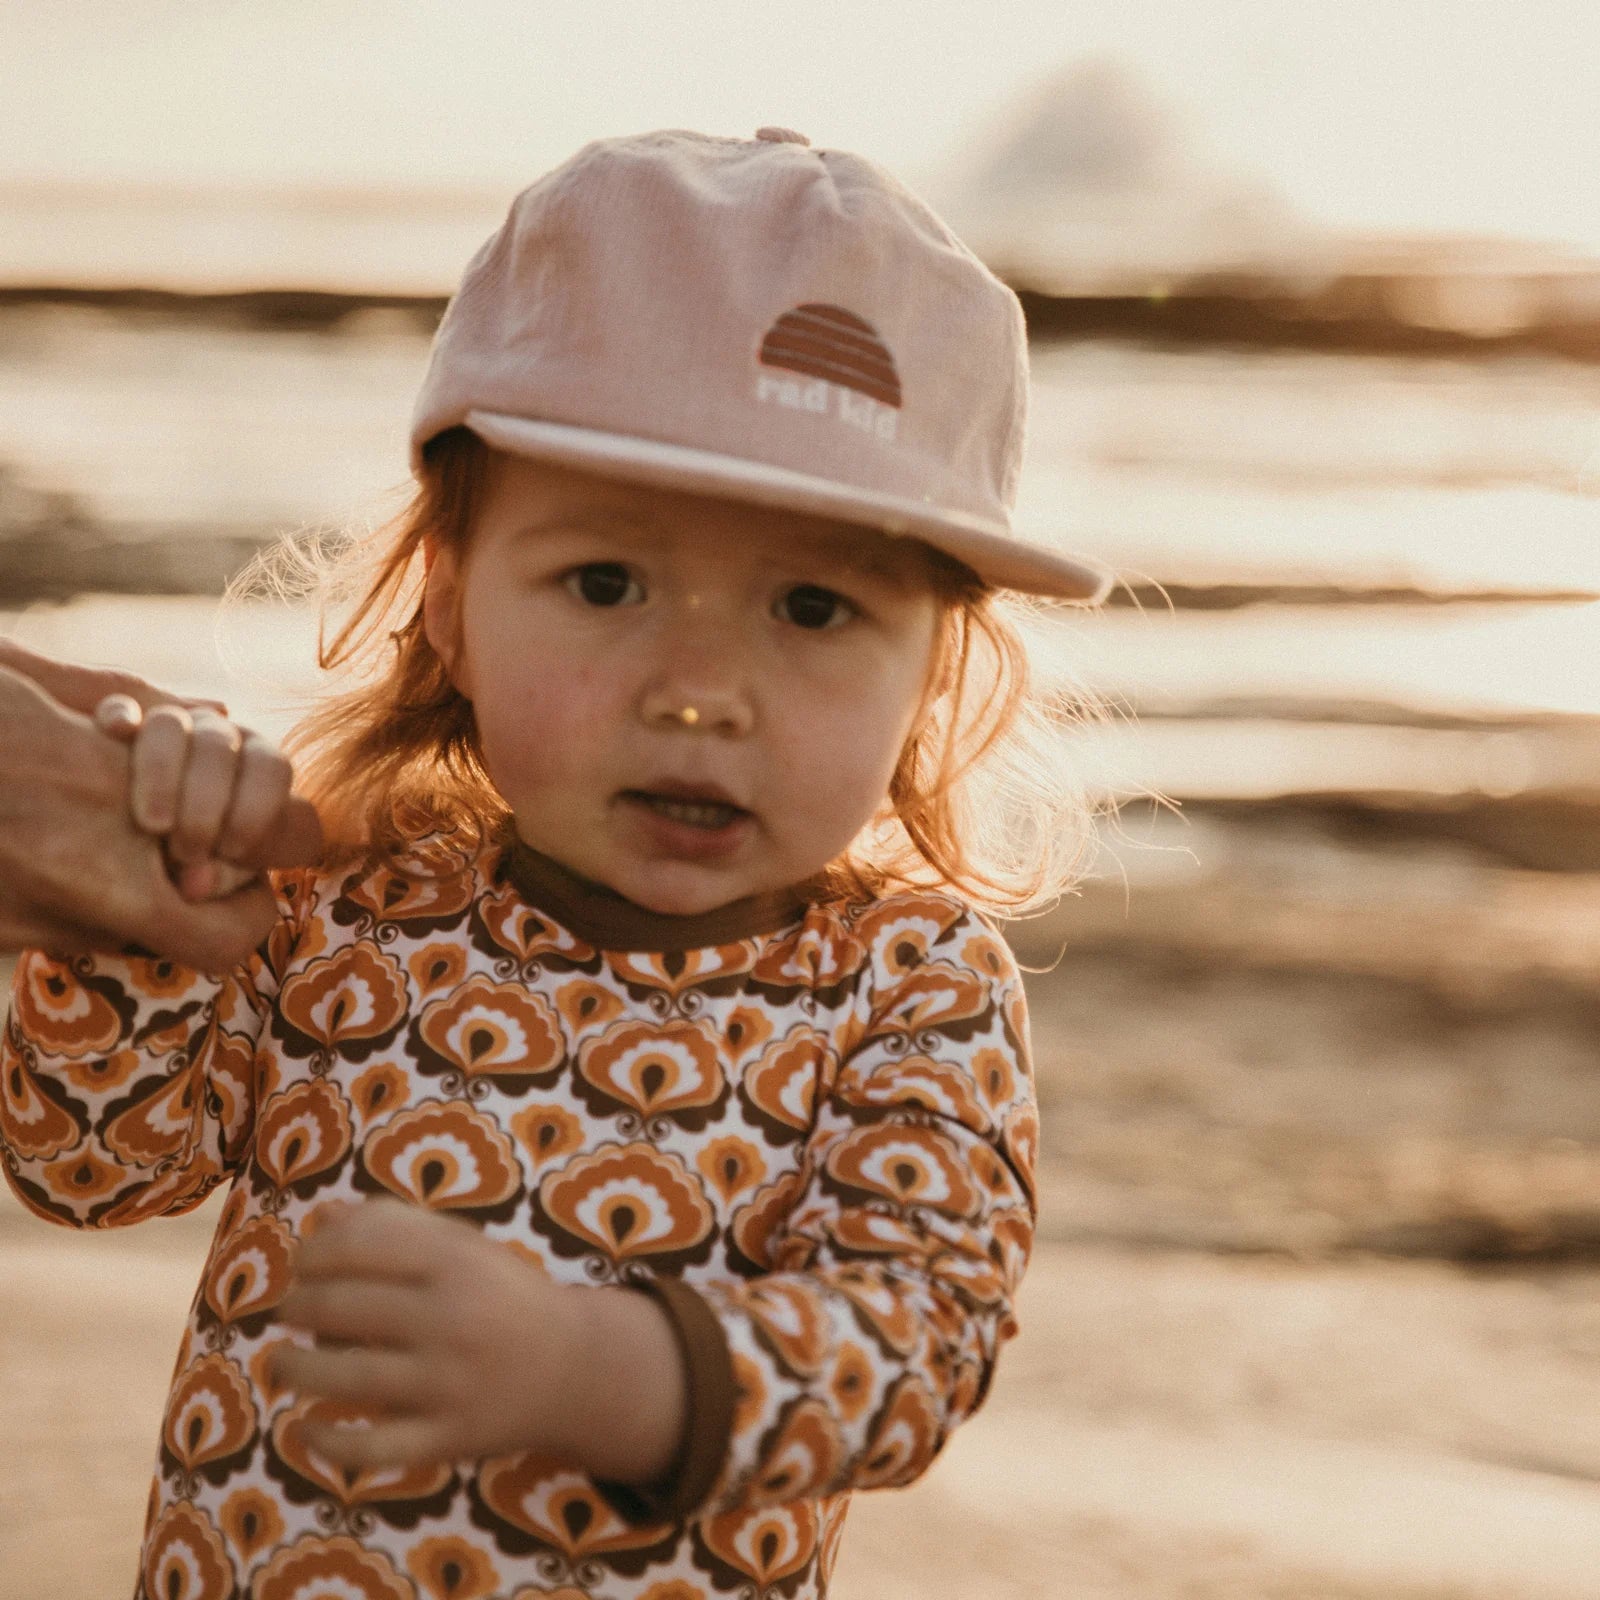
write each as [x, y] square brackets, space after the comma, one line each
[989, 549]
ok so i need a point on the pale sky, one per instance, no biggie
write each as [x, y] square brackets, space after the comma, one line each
[1478, 115]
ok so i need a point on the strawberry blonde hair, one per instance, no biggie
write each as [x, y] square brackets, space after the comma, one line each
[983, 799]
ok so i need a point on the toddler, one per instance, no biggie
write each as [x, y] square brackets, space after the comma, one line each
[629, 1125]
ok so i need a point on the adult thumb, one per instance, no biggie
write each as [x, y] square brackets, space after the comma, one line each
[82, 688]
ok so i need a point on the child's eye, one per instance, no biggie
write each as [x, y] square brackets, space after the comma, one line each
[809, 605]
[604, 583]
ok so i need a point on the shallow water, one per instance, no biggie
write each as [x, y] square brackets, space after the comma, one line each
[1456, 475]
[1190, 466]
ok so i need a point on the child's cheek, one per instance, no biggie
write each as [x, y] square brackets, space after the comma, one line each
[532, 741]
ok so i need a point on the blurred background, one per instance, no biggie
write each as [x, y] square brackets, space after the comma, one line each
[1314, 296]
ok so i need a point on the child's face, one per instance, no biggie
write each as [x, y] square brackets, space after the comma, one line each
[689, 700]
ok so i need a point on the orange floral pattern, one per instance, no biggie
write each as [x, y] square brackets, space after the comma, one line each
[249, 1270]
[827, 1133]
[446, 1156]
[210, 1414]
[65, 1015]
[492, 1028]
[657, 1069]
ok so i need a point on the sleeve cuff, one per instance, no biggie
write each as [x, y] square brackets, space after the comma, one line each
[708, 1371]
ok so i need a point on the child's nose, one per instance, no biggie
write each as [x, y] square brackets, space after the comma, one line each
[699, 707]
[700, 683]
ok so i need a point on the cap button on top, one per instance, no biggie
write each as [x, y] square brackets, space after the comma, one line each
[781, 136]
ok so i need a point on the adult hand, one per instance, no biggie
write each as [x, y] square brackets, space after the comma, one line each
[75, 873]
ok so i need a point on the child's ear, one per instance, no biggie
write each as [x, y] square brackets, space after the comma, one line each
[441, 611]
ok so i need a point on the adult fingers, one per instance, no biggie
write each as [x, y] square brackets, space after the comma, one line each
[260, 790]
[159, 757]
[210, 774]
[31, 931]
[210, 936]
[75, 872]
[83, 688]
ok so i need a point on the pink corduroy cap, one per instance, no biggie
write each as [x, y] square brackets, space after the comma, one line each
[756, 320]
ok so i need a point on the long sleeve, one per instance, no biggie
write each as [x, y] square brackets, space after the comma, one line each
[127, 1083]
[895, 1266]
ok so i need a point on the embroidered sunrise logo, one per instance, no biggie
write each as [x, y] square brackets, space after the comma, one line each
[829, 362]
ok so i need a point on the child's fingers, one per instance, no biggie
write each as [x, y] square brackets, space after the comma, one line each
[364, 1309]
[359, 1376]
[160, 754]
[393, 1442]
[294, 839]
[384, 1239]
[209, 777]
[212, 880]
[120, 715]
[261, 789]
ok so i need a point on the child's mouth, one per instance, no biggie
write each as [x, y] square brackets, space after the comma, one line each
[709, 815]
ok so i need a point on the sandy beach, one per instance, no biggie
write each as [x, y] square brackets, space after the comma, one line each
[1314, 1315]
[1169, 1424]
[1314, 1312]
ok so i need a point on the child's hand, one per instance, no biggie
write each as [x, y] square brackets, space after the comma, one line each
[211, 789]
[457, 1346]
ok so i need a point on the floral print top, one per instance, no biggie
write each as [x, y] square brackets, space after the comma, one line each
[811, 1137]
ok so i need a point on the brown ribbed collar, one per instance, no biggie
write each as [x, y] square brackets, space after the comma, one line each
[609, 921]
